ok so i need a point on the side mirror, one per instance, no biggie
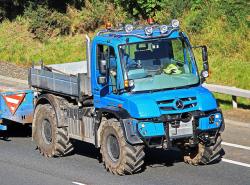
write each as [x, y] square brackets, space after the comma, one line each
[204, 53]
[102, 80]
[103, 67]
[205, 58]
[205, 72]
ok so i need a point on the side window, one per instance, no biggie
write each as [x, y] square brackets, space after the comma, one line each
[178, 50]
[107, 53]
[181, 55]
[101, 55]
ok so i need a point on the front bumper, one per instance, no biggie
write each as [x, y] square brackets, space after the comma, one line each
[171, 128]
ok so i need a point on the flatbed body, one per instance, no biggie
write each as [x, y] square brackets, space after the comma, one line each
[69, 79]
[17, 100]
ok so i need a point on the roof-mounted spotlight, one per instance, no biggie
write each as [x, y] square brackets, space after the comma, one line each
[129, 28]
[163, 29]
[175, 23]
[148, 30]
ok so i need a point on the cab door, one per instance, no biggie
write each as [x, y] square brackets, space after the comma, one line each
[105, 82]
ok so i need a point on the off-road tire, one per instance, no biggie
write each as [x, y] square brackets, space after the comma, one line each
[203, 155]
[60, 144]
[131, 158]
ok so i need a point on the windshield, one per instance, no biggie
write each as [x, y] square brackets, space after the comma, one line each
[159, 64]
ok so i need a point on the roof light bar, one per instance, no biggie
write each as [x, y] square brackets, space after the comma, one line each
[129, 28]
[175, 23]
[163, 29]
[148, 30]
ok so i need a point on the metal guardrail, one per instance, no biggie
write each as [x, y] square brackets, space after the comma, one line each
[235, 92]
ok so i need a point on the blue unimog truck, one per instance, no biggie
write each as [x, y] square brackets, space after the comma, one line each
[140, 87]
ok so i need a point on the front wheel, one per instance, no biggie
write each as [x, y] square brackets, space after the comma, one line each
[118, 156]
[204, 154]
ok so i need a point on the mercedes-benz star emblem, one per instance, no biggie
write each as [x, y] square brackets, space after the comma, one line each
[179, 104]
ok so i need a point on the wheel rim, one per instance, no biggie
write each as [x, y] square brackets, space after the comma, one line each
[46, 131]
[113, 147]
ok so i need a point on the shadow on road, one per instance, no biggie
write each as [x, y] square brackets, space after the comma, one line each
[161, 158]
[86, 149]
[154, 157]
[15, 130]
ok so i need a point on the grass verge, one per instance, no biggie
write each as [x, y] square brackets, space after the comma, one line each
[18, 46]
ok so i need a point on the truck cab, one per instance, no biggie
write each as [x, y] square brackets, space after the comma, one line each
[139, 88]
[151, 76]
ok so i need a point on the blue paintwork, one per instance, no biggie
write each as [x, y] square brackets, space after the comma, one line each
[24, 113]
[144, 104]
[149, 129]
[205, 125]
[3, 127]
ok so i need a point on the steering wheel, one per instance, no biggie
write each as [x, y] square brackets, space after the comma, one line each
[178, 62]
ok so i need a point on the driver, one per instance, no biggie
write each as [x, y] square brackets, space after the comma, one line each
[128, 61]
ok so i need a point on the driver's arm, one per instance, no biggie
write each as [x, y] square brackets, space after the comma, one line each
[129, 61]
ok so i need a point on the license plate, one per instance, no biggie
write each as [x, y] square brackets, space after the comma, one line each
[181, 130]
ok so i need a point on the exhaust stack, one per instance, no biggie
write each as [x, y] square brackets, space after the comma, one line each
[88, 55]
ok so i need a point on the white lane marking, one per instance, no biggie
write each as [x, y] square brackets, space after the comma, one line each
[78, 183]
[236, 162]
[236, 146]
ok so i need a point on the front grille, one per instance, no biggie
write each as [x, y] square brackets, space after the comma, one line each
[168, 106]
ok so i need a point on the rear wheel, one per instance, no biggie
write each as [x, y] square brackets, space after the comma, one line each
[51, 140]
[118, 156]
[204, 155]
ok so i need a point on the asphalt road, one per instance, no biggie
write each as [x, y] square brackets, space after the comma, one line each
[21, 164]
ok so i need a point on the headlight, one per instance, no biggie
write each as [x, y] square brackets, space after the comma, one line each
[205, 74]
[148, 30]
[175, 23]
[129, 28]
[129, 83]
[163, 29]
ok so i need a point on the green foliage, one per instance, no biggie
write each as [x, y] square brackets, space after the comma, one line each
[95, 14]
[235, 11]
[10, 9]
[222, 25]
[141, 8]
[45, 23]
[18, 46]
[171, 10]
